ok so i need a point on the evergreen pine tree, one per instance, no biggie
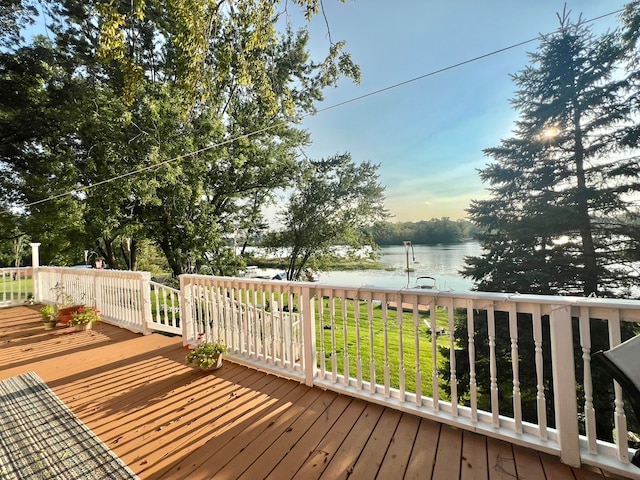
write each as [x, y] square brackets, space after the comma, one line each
[557, 219]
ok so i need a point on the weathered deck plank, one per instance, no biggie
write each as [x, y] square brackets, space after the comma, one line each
[169, 421]
[449, 454]
[474, 457]
[397, 458]
[423, 455]
[307, 446]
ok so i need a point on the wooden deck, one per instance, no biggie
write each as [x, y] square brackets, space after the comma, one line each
[168, 421]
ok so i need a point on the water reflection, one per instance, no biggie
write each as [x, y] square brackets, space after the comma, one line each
[440, 261]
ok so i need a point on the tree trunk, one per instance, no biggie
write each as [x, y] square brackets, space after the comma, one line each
[590, 276]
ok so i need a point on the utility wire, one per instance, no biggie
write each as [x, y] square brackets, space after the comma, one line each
[331, 107]
[455, 65]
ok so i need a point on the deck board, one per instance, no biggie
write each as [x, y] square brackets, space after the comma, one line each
[373, 453]
[474, 457]
[274, 449]
[449, 454]
[307, 446]
[343, 462]
[500, 460]
[316, 463]
[528, 463]
[169, 421]
[423, 455]
[397, 458]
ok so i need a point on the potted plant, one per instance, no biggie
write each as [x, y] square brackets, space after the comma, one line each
[84, 317]
[207, 355]
[65, 304]
[49, 316]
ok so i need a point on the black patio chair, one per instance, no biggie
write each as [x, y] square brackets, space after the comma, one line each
[623, 364]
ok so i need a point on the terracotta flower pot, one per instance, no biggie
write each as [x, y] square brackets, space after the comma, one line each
[65, 314]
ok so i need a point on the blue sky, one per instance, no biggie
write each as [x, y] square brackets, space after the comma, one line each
[428, 136]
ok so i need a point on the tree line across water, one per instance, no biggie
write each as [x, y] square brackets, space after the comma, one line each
[424, 232]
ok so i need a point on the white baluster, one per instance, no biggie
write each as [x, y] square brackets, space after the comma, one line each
[356, 315]
[372, 360]
[515, 366]
[345, 353]
[452, 358]
[495, 406]
[401, 371]
[473, 386]
[589, 411]
[323, 358]
[416, 346]
[334, 355]
[540, 396]
[264, 333]
[620, 419]
[435, 392]
[385, 332]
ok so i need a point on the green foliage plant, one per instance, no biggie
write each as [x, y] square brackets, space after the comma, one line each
[49, 313]
[206, 354]
[85, 315]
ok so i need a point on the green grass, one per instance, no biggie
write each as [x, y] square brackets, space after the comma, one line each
[393, 342]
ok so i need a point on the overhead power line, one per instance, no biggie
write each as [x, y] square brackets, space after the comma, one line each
[331, 107]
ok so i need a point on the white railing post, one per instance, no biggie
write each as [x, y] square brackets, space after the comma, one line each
[307, 318]
[186, 319]
[35, 263]
[564, 384]
[145, 301]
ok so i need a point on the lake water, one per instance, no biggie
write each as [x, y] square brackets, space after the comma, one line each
[439, 261]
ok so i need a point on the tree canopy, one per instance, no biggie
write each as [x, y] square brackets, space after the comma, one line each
[172, 122]
[334, 201]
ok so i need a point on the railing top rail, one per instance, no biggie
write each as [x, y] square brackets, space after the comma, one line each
[163, 286]
[94, 271]
[571, 301]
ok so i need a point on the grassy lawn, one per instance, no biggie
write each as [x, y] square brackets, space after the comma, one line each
[424, 345]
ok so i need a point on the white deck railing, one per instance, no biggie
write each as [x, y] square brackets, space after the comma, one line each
[165, 309]
[124, 298]
[16, 286]
[377, 344]
[361, 343]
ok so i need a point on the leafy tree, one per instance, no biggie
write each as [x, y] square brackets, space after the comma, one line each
[14, 16]
[14, 243]
[560, 187]
[202, 40]
[334, 201]
[127, 91]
